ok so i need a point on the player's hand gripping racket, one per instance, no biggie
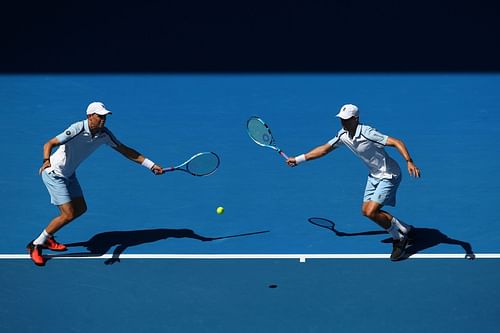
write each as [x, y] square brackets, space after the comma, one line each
[260, 132]
[201, 164]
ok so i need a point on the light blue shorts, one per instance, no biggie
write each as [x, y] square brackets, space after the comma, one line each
[62, 190]
[382, 191]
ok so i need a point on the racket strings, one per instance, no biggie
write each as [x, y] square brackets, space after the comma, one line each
[203, 164]
[259, 132]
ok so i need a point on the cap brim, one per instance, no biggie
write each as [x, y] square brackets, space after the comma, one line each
[103, 113]
[343, 116]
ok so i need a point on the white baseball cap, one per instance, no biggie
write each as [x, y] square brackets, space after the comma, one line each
[97, 107]
[348, 111]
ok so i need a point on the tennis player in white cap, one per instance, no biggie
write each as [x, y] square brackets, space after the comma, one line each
[384, 172]
[75, 144]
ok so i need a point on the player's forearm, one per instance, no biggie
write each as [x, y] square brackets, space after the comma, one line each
[47, 148]
[318, 152]
[404, 151]
[311, 155]
[131, 154]
[137, 157]
[401, 147]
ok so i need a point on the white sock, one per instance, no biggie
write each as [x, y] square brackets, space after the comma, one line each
[42, 238]
[403, 227]
[394, 232]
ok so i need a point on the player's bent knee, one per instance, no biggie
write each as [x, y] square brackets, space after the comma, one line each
[369, 212]
[66, 218]
[69, 216]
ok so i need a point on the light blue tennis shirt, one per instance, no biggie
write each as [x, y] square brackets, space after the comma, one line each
[77, 143]
[368, 144]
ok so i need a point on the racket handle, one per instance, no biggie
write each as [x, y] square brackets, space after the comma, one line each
[283, 154]
[168, 169]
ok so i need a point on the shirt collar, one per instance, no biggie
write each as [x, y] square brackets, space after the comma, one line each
[86, 125]
[358, 131]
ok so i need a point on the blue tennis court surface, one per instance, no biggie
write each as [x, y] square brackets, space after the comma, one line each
[448, 121]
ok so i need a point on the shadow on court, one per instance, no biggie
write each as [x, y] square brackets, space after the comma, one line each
[101, 243]
[330, 225]
[421, 238]
[425, 238]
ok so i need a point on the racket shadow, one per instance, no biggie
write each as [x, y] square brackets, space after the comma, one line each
[101, 243]
[330, 225]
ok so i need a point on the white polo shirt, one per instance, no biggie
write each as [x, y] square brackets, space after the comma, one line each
[77, 143]
[368, 144]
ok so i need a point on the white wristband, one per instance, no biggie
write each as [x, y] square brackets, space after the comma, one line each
[300, 159]
[148, 163]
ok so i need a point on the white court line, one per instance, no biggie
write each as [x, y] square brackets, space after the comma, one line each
[300, 257]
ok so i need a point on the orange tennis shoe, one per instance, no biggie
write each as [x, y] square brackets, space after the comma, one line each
[51, 244]
[36, 254]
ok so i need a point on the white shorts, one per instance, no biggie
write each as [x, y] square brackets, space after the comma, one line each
[382, 191]
[62, 190]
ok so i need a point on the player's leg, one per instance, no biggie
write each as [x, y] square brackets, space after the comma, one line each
[380, 192]
[67, 213]
[372, 210]
[68, 196]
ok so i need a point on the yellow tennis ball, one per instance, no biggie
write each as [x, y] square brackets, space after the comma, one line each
[220, 210]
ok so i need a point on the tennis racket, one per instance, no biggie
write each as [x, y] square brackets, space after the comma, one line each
[261, 134]
[201, 164]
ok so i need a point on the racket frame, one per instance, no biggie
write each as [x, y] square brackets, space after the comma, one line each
[272, 144]
[184, 166]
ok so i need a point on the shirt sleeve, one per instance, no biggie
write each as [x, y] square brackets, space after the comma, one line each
[336, 141]
[70, 132]
[110, 138]
[373, 135]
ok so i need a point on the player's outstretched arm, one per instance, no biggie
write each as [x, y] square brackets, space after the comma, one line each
[315, 153]
[137, 157]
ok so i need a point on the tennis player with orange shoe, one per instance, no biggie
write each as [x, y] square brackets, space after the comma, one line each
[75, 144]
